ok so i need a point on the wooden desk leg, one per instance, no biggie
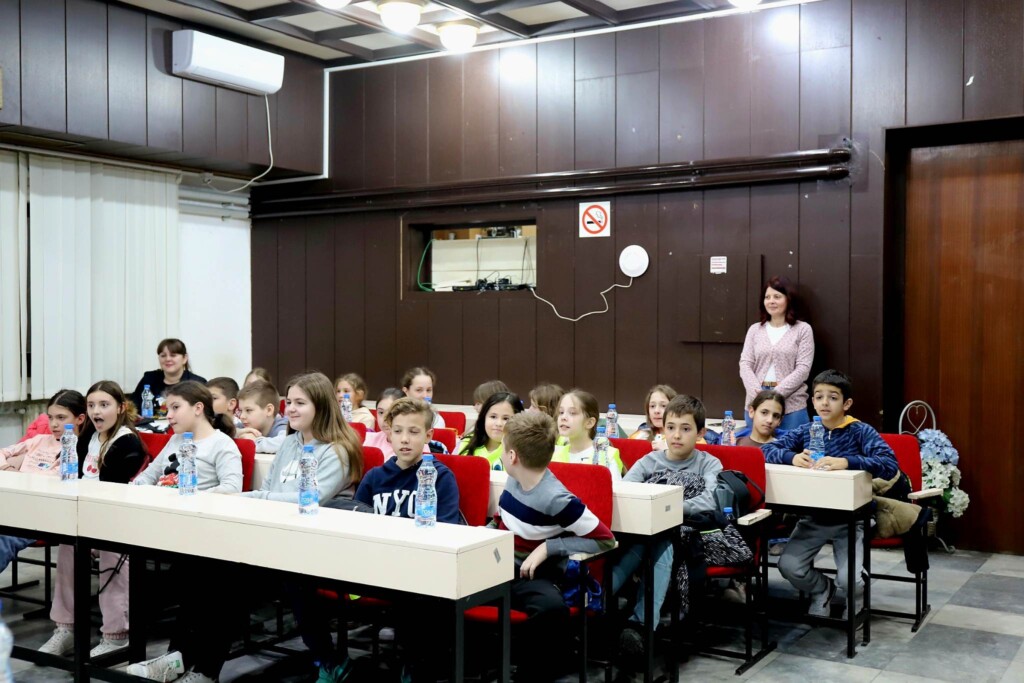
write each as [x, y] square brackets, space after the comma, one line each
[459, 644]
[851, 563]
[649, 616]
[505, 633]
[83, 586]
[136, 610]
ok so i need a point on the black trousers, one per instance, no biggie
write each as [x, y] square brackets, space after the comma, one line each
[541, 646]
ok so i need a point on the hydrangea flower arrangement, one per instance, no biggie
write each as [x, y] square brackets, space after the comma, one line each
[939, 460]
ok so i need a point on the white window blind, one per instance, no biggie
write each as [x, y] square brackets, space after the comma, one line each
[104, 271]
[13, 276]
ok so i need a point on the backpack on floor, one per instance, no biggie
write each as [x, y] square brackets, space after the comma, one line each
[730, 491]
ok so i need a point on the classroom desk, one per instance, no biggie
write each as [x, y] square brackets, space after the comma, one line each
[645, 512]
[845, 494]
[460, 565]
[259, 472]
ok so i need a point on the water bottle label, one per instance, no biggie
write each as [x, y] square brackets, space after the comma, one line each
[309, 497]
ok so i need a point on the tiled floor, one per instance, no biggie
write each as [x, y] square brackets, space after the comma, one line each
[975, 633]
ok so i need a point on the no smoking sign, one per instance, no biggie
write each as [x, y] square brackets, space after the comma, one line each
[595, 219]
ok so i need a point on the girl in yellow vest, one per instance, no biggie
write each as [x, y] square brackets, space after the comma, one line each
[577, 426]
[485, 441]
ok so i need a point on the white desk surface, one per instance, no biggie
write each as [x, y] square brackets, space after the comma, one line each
[644, 509]
[39, 502]
[448, 561]
[262, 466]
[831, 490]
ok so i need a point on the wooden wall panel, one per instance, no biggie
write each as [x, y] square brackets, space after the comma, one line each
[379, 126]
[354, 293]
[681, 92]
[318, 269]
[199, 119]
[481, 343]
[775, 81]
[445, 349]
[258, 124]
[300, 112]
[87, 68]
[126, 74]
[413, 338]
[637, 51]
[993, 84]
[636, 119]
[555, 106]
[775, 231]
[266, 308]
[557, 240]
[294, 297]
[517, 360]
[232, 124]
[480, 115]
[163, 91]
[595, 56]
[445, 136]
[594, 269]
[935, 61]
[517, 111]
[635, 320]
[680, 238]
[727, 220]
[595, 122]
[348, 136]
[727, 109]
[381, 301]
[412, 129]
[10, 61]
[43, 74]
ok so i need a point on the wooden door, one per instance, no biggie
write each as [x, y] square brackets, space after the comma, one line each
[964, 317]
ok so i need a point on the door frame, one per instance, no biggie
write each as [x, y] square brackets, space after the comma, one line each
[899, 141]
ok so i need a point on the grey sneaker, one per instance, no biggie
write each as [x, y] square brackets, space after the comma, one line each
[858, 605]
[822, 602]
[61, 643]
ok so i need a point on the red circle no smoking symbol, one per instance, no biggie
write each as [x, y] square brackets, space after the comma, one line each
[595, 219]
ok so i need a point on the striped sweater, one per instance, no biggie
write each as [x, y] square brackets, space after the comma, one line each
[549, 513]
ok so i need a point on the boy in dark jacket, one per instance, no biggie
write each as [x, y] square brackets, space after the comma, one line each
[849, 444]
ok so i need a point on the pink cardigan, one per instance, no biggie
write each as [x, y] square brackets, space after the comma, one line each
[792, 357]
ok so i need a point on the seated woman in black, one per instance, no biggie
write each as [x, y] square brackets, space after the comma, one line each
[174, 368]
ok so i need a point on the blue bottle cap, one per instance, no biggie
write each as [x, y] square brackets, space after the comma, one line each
[428, 456]
[428, 399]
[345, 396]
[728, 413]
[817, 418]
[308, 448]
[145, 386]
[69, 427]
[611, 406]
[187, 435]
[727, 511]
[600, 430]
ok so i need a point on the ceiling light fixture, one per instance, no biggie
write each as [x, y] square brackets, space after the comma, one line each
[458, 36]
[401, 16]
[744, 4]
[332, 4]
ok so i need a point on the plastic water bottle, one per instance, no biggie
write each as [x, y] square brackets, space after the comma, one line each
[147, 402]
[6, 645]
[600, 448]
[309, 492]
[426, 493]
[69, 454]
[187, 478]
[612, 421]
[728, 430]
[817, 445]
[346, 407]
[730, 518]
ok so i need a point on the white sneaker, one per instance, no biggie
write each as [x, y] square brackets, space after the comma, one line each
[386, 634]
[108, 645]
[164, 668]
[196, 677]
[61, 643]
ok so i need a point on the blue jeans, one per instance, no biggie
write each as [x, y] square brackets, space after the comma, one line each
[10, 546]
[628, 564]
[789, 420]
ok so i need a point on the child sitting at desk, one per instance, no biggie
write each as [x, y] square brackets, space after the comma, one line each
[766, 411]
[258, 402]
[849, 444]
[548, 522]
[680, 464]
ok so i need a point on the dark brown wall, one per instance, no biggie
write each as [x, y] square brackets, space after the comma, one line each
[773, 81]
[99, 75]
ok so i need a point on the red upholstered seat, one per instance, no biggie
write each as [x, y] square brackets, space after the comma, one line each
[154, 442]
[454, 420]
[360, 430]
[372, 457]
[473, 477]
[448, 437]
[631, 450]
[488, 614]
[247, 448]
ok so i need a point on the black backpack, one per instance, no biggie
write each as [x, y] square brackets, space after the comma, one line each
[731, 491]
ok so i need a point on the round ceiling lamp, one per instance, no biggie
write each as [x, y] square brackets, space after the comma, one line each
[401, 16]
[458, 36]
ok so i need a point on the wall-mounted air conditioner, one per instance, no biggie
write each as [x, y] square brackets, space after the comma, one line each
[206, 58]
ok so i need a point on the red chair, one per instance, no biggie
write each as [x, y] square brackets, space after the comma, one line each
[247, 447]
[908, 456]
[372, 457]
[592, 484]
[448, 437]
[280, 407]
[754, 526]
[154, 443]
[360, 430]
[454, 420]
[631, 450]
[473, 477]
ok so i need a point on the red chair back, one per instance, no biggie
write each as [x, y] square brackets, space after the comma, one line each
[280, 407]
[592, 484]
[360, 430]
[154, 442]
[247, 447]
[631, 450]
[454, 420]
[372, 457]
[745, 459]
[448, 437]
[473, 477]
[908, 456]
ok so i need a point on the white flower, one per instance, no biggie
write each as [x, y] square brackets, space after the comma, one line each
[954, 475]
[958, 501]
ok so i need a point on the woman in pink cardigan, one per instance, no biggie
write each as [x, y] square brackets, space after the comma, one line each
[778, 352]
